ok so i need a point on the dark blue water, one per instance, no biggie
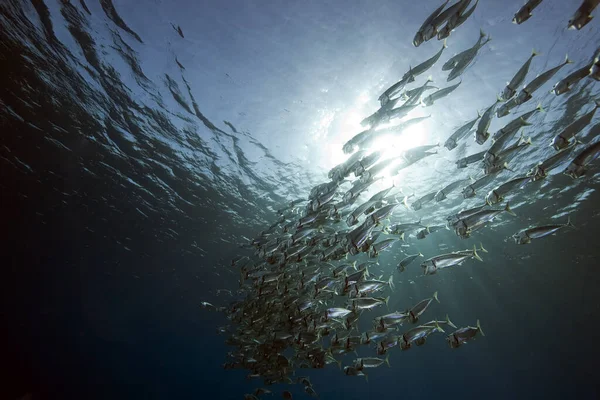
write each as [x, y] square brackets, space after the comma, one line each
[120, 218]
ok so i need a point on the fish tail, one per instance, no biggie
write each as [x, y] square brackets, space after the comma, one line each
[597, 102]
[479, 327]
[534, 53]
[482, 249]
[568, 60]
[435, 296]
[450, 322]
[475, 254]
[438, 327]
[482, 34]
[508, 210]
[402, 236]
[387, 300]
[569, 224]
[540, 108]
[391, 282]
[445, 45]
[387, 360]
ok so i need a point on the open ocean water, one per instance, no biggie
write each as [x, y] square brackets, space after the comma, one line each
[146, 144]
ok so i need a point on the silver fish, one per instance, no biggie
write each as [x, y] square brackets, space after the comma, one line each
[455, 21]
[425, 65]
[461, 132]
[463, 335]
[505, 108]
[426, 27]
[465, 61]
[482, 134]
[563, 139]
[497, 195]
[565, 84]
[473, 158]
[443, 193]
[455, 59]
[524, 12]
[541, 170]
[407, 261]
[421, 307]
[527, 235]
[418, 204]
[583, 14]
[433, 264]
[429, 100]
[579, 165]
[527, 92]
[511, 87]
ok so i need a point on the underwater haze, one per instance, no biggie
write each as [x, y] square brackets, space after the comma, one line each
[210, 199]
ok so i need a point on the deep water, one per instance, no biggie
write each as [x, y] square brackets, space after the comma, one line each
[132, 171]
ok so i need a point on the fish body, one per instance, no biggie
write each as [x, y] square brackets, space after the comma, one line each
[418, 204]
[429, 100]
[421, 307]
[511, 87]
[563, 139]
[482, 134]
[431, 265]
[425, 65]
[578, 167]
[541, 170]
[426, 28]
[461, 132]
[407, 261]
[463, 335]
[505, 108]
[583, 14]
[497, 195]
[473, 158]
[565, 84]
[465, 226]
[466, 60]
[456, 20]
[524, 12]
[527, 92]
[527, 235]
[443, 193]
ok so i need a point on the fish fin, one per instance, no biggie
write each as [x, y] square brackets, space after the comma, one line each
[366, 376]
[482, 34]
[450, 322]
[505, 166]
[387, 360]
[479, 327]
[438, 327]
[475, 254]
[540, 108]
[421, 255]
[387, 300]
[482, 249]
[391, 282]
[508, 210]
[402, 236]
[534, 53]
[405, 202]
[435, 296]
[569, 224]
[524, 122]
[567, 60]
[444, 46]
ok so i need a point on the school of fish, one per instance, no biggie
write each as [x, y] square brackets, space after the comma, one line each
[304, 289]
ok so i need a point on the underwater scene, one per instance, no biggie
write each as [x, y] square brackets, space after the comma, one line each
[300, 199]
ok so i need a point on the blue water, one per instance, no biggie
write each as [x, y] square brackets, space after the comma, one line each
[134, 163]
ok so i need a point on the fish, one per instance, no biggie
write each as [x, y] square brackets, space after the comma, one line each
[461, 132]
[463, 335]
[505, 108]
[443, 193]
[429, 100]
[450, 14]
[565, 84]
[430, 229]
[455, 21]
[433, 264]
[583, 14]
[465, 226]
[498, 194]
[366, 303]
[418, 309]
[396, 88]
[541, 170]
[579, 165]
[370, 362]
[466, 60]
[416, 96]
[420, 332]
[405, 262]
[426, 27]
[418, 204]
[563, 139]
[527, 235]
[482, 134]
[427, 64]
[511, 87]
[524, 12]
[473, 158]
[455, 59]
[527, 92]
